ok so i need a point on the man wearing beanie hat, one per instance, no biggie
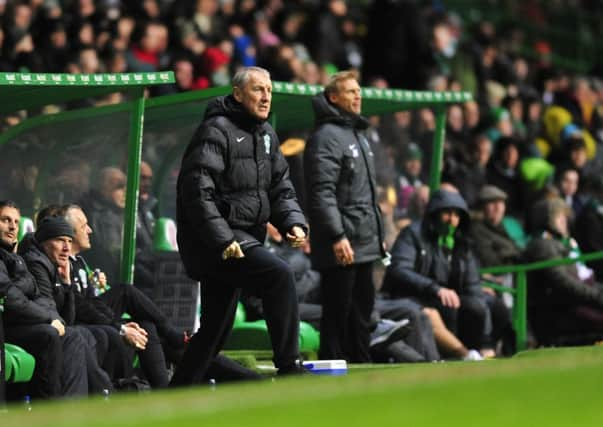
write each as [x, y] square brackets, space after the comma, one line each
[48, 261]
[33, 322]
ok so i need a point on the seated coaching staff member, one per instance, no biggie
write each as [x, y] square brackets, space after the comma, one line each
[233, 181]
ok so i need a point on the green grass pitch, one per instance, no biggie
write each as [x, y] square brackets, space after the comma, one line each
[556, 387]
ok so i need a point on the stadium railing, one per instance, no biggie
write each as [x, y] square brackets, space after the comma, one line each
[520, 291]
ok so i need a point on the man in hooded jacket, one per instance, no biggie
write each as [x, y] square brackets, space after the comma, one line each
[347, 231]
[432, 263]
[233, 181]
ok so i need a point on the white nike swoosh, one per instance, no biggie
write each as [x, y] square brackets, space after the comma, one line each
[240, 139]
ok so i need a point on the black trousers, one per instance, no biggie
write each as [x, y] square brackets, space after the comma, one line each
[95, 350]
[118, 359]
[128, 299]
[60, 361]
[348, 296]
[263, 274]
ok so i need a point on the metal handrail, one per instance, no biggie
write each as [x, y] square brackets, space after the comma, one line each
[520, 293]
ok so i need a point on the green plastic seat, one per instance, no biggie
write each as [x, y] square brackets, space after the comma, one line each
[240, 315]
[19, 364]
[26, 225]
[515, 231]
[164, 235]
[254, 336]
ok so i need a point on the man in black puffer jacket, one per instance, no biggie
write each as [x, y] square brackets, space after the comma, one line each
[47, 258]
[233, 181]
[346, 224]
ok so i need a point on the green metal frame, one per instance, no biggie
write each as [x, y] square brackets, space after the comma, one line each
[27, 90]
[134, 158]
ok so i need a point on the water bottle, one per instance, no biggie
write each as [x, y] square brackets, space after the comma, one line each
[212, 384]
[27, 403]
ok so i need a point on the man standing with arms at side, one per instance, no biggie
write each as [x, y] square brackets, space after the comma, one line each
[233, 181]
[347, 234]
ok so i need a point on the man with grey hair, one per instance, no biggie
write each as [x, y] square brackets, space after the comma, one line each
[233, 181]
[104, 206]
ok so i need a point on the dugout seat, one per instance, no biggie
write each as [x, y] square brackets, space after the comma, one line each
[19, 364]
[254, 335]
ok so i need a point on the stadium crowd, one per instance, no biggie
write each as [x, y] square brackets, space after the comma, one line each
[521, 179]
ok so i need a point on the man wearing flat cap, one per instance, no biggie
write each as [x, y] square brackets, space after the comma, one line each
[493, 245]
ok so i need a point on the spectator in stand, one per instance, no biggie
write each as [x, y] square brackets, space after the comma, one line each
[493, 245]
[565, 303]
[514, 106]
[568, 183]
[328, 44]
[55, 52]
[148, 53]
[104, 207]
[503, 172]
[409, 179]
[206, 21]
[472, 118]
[470, 176]
[124, 30]
[422, 257]
[589, 223]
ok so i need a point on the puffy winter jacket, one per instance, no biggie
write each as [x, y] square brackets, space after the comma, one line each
[341, 187]
[49, 283]
[25, 304]
[233, 179]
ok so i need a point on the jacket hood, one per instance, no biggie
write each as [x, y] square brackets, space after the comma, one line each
[544, 211]
[325, 112]
[228, 107]
[442, 199]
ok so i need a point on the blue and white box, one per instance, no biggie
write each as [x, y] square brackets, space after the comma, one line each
[326, 367]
